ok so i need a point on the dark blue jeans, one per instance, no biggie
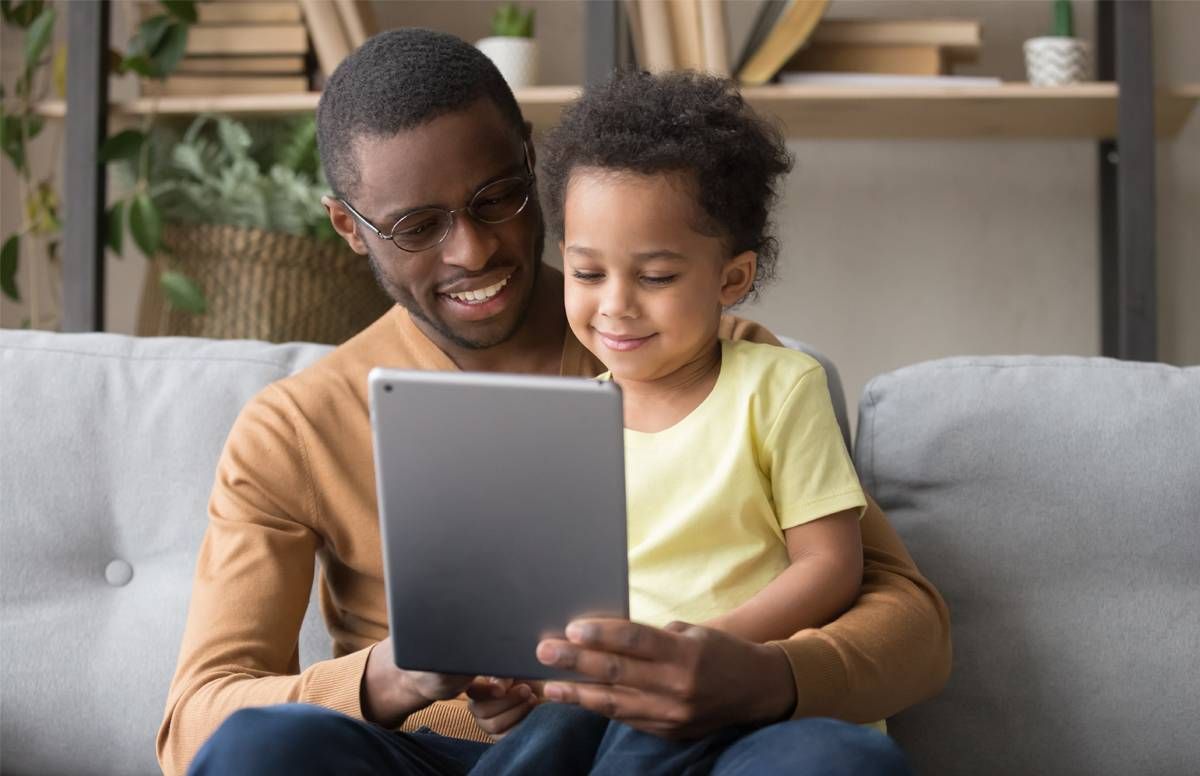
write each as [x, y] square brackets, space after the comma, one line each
[301, 739]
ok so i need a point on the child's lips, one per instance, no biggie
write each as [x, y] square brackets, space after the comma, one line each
[623, 342]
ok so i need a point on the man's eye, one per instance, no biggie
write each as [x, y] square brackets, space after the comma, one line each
[586, 277]
[659, 280]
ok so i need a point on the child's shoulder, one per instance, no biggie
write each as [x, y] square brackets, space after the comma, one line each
[771, 363]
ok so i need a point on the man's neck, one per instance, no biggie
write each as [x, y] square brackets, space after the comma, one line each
[537, 346]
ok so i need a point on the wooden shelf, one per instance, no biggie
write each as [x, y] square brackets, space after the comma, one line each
[1013, 110]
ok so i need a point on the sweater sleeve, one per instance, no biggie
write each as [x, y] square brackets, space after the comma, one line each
[251, 588]
[889, 651]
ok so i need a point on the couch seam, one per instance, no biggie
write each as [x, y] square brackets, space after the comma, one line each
[130, 357]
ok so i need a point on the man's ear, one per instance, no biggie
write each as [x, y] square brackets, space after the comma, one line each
[737, 277]
[344, 224]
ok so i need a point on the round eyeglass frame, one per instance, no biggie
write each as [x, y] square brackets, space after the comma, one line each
[528, 180]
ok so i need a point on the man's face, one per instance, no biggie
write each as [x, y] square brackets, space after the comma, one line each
[474, 288]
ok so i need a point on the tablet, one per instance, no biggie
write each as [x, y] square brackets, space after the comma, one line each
[502, 511]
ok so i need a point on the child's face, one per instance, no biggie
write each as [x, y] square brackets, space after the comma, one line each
[644, 290]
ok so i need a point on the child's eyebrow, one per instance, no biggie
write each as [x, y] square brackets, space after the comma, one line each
[658, 253]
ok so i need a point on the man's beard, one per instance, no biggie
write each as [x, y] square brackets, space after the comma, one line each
[409, 303]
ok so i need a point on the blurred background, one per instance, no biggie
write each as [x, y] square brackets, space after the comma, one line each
[894, 249]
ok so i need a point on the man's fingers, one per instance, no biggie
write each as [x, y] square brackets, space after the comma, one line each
[484, 705]
[624, 637]
[608, 667]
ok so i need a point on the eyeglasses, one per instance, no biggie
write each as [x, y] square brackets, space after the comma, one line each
[495, 203]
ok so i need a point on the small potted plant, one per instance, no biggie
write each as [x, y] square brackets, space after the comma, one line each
[1059, 58]
[511, 45]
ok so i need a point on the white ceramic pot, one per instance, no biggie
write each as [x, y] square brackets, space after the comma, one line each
[1056, 61]
[516, 58]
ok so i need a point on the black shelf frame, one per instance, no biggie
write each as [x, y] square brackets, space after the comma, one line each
[1126, 181]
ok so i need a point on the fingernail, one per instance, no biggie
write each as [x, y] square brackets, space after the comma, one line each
[578, 631]
[554, 692]
[547, 654]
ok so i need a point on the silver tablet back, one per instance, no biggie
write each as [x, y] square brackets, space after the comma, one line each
[502, 509]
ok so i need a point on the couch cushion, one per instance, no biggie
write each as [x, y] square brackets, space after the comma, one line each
[109, 445]
[1055, 502]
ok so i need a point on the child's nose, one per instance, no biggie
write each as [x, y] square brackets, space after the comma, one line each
[618, 300]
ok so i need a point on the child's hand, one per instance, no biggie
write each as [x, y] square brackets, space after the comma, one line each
[499, 704]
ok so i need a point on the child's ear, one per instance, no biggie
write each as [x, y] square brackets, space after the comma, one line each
[737, 277]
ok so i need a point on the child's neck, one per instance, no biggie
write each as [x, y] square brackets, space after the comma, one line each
[656, 405]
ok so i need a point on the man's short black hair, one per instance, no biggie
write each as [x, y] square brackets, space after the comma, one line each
[681, 122]
[398, 80]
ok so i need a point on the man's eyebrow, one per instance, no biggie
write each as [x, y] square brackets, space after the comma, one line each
[511, 171]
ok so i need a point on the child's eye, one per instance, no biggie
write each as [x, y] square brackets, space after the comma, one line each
[586, 277]
[659, 280]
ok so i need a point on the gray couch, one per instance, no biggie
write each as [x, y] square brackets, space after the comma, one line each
[1054, 501]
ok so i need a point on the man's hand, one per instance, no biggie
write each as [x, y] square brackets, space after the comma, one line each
[499, 704]
[682, 681]
[390, 694]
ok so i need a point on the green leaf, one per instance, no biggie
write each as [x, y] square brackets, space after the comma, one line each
[181, 292]
[37, 37]
[33, 126]
[8, 267]
[137, 64]
[184, 10]
[114, 225]
[21, 14]
[11, 141]
[148, 37]
[146, 224]
[167, 55]
[126, 144]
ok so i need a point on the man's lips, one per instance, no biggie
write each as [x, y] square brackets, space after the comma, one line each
[623, 342]
[480, 298]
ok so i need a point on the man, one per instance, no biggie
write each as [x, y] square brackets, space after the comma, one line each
[431, 166]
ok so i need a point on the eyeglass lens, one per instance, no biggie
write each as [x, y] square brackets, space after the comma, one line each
[493, 204]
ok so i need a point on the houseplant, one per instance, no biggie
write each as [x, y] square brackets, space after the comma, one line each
[1059, 58]
[243, 222]
[154, 51]
[511, 45]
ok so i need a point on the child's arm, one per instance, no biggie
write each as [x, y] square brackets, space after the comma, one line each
[822, 581]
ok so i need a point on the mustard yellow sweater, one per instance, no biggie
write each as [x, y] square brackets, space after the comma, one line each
[296, 480]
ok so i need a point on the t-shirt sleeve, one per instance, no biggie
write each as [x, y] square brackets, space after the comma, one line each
[805, 458]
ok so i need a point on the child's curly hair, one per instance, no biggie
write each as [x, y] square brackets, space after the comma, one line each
[680, 122]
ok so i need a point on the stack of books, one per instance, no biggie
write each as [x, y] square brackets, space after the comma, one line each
[792, 41]
[885, 47]
[264, 47]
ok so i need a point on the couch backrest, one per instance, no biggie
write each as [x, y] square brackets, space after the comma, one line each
[108, 446]
[1055, 502]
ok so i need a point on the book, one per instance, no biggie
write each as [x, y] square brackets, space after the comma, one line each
[855, 58]
[210, 85]
[961, 37]
[247, 39]
[714, 37]
[329, 37]
[235, 65]
[790, 31]
[657, 43]
[358, 20]
[685, 33]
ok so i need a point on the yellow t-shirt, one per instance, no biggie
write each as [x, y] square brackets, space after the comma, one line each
[710, 497]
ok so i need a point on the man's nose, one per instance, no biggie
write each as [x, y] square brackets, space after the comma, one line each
[470, 244]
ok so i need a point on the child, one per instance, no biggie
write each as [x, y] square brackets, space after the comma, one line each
[743, 504]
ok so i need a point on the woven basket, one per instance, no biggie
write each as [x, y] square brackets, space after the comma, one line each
[262, 285]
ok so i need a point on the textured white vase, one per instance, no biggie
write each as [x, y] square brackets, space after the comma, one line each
[1055, 61]
[515, 58]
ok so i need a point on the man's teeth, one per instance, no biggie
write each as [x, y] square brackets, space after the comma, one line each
[481, 294]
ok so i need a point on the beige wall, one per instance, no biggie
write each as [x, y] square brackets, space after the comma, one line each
[896, 252]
